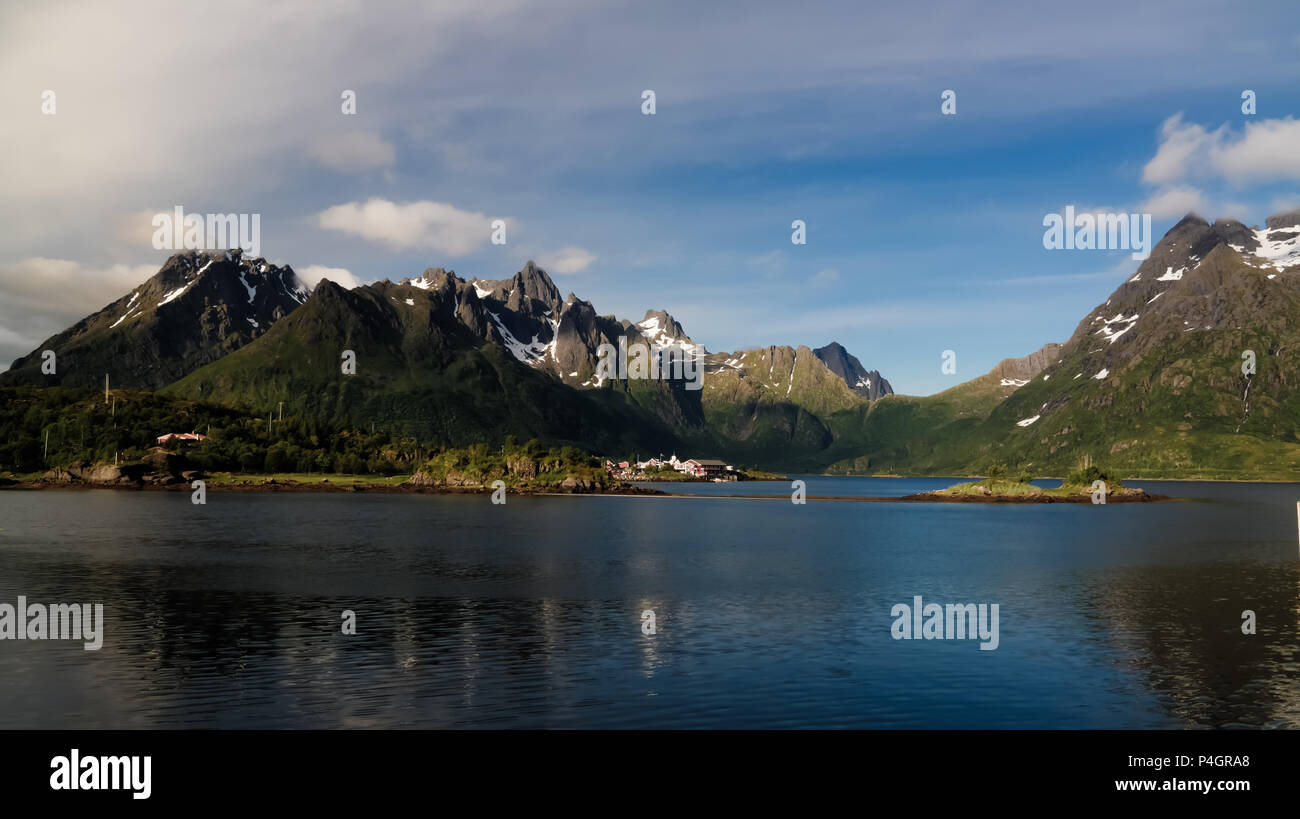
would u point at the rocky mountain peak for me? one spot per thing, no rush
(867, 383)
(1286, 219)
(200, 305)
(662, 329)
(532, 281)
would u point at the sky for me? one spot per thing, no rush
(924, 230)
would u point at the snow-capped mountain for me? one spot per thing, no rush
(1277, 245)
(1184, 281)
(446, 358)
(1155, 373)
(199, 306)
(525, 315)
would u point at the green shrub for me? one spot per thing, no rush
(1084, 476)
(995, 471)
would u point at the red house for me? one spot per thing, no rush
(180, 436)
(705, 467)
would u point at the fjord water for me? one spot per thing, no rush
(768, 614)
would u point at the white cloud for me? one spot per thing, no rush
(402, 226)
(1269, 149)
(44, 296)
(1181, 144)
(1264, 149)
(566, 260)
(825, 278)
(312, 274)
(352, 150)
(1174, 203)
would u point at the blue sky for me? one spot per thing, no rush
(924, 231)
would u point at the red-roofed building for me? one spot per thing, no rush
(704, 467)
(180, 437)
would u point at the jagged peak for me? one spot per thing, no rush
(845, 365)
(1192, 218)
(834, 347)
(327, 289)
(1285, 219)
(199, 261)
(1228, 221)
(536, 284)
(663, 321)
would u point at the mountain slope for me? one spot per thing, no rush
(459, 362)
(419, 371)
(198, 307)
(1151, 381)
(770, 406)
(1153, 378)
(928, 433)
(741, 413)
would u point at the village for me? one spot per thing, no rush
(705, 469)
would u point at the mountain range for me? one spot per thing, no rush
(1151, 380)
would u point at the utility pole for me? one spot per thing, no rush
(105, 388)
(281, 412)
(45, 456)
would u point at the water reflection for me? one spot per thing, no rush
(766, 616)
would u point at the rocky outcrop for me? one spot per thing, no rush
(867, 383)
(103, 474)
(1024, 368)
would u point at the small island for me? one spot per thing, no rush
(1001, 487)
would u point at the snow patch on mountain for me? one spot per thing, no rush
(1279, 247)
(531, 353)
(1113, 328)
(662, 339)
(124, 317)
(175, 294)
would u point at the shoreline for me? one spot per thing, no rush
(298, 487)
(924, 497)
(1127, 478)
(625, 490)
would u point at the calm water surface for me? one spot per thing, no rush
(769, 615)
